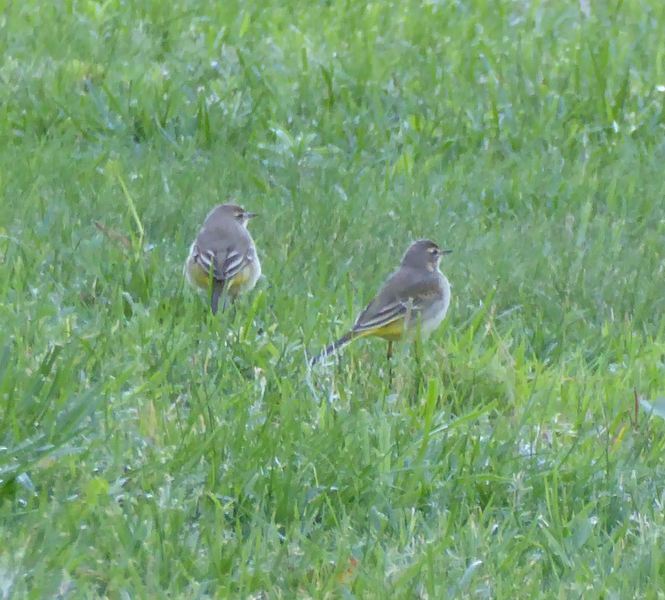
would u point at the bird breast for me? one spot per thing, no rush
(435, 313)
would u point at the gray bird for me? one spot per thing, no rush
(413, 300)
(223, 257)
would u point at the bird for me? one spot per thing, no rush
(413, 301)
(223, 257)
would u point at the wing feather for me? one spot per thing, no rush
(233, 263)
(386, 315)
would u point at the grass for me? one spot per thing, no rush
(148, 449)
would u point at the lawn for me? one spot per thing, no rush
(149, 449)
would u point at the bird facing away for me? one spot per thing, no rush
(223, 257)
(413, 301)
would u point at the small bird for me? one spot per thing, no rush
(414, 300)
(223, 257)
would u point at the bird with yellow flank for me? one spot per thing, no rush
(412, 302)
(223, 259)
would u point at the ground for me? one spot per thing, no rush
(149, 449)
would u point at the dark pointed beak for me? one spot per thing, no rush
(446, 251)
(250, 215)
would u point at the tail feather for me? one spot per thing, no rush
(343, 341)
(217, 289)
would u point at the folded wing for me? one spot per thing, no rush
(403, 295)
(225, 269)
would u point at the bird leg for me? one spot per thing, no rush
(389, 355)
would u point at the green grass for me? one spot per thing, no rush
(148, 449)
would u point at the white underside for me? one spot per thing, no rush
(433, 315)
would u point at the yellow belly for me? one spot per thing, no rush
(197, 275)
(396, 330)
(235, 286)
(391, 332)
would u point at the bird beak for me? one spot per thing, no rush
(250, 215)
(446, 251)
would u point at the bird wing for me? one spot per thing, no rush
(375, 319)
(225, 269)
(232, 265)
(405, 293)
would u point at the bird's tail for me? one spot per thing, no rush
(217, 289)
(343, 341)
